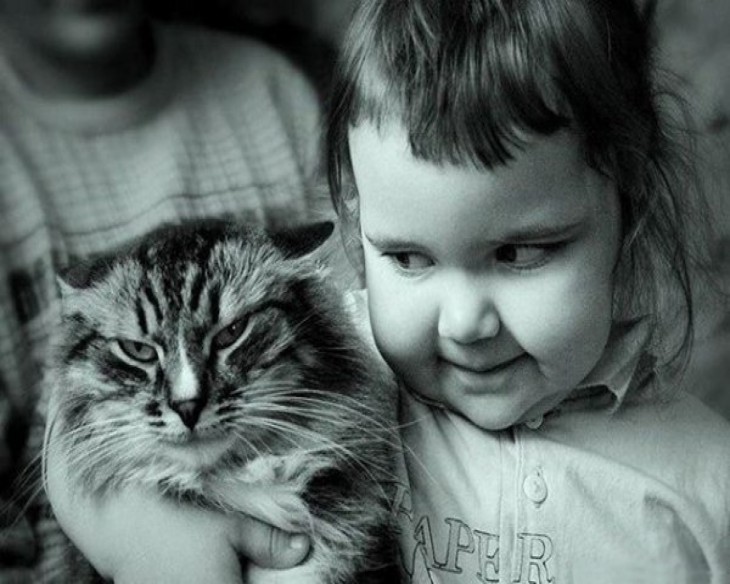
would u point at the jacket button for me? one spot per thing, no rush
(534, 487)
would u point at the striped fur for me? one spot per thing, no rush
(217, 364)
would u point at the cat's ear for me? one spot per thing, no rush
(300, 240)
(82, 275)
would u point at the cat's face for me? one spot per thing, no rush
(195, 341)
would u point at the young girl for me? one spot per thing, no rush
(525, 228)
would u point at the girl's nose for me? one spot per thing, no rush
(468, 315)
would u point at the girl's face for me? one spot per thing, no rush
(490, 291)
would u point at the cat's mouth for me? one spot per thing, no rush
(193, 437)
(196, 448)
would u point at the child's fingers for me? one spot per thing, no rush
(266, 546)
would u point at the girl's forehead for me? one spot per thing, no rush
(547, 188)
(382, 156)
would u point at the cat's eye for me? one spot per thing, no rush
(137, 350)
(229, 335)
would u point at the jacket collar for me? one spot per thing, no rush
(625, 364)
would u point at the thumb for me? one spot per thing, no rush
(267, 546)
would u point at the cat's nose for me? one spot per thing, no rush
(188, 410)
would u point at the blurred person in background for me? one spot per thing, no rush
(111, 124)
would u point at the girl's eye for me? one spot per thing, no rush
(229, 335)
(137, 350)
(525, 256)
(410, 260)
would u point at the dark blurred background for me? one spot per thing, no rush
(694, 40)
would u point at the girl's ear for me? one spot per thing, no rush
(300, 240)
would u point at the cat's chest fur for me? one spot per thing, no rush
(217, 365)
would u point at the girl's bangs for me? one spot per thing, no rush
(464, 102)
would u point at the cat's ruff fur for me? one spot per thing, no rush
(217, 364)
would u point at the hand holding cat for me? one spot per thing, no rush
(139, 537)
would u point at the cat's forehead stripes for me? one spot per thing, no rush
(180, 246)
(172, 260)
(214, 302)
(195, 289)
(148, 307)
(206, 276)
(246, 276)
(154, 302)
(139, 310)
(195, 281)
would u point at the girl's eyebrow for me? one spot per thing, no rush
(386, 242)
(527, 234)
(542, 232)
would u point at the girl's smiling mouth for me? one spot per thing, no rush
(474, 362)
(481, 376)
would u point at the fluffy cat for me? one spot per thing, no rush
(217, 363)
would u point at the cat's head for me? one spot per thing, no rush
(198, 337)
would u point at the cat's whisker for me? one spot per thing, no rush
(21, 502)
(93, 454)
(322, 411)
(316, 443)
(111, 450)
(365, 436)
(323, 404)
(93, 426)
(111, 446)
(241, 436)
(342, 414)
(368, 436)
(323, 407)
(345, 451)
(295, 390)
(25, 487)
(319, 444)
(296, 430)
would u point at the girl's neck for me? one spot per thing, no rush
(95, 75)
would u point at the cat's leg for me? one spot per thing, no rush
(269, 488)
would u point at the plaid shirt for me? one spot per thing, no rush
(223, 126)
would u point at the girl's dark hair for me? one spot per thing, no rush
(469, 79)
